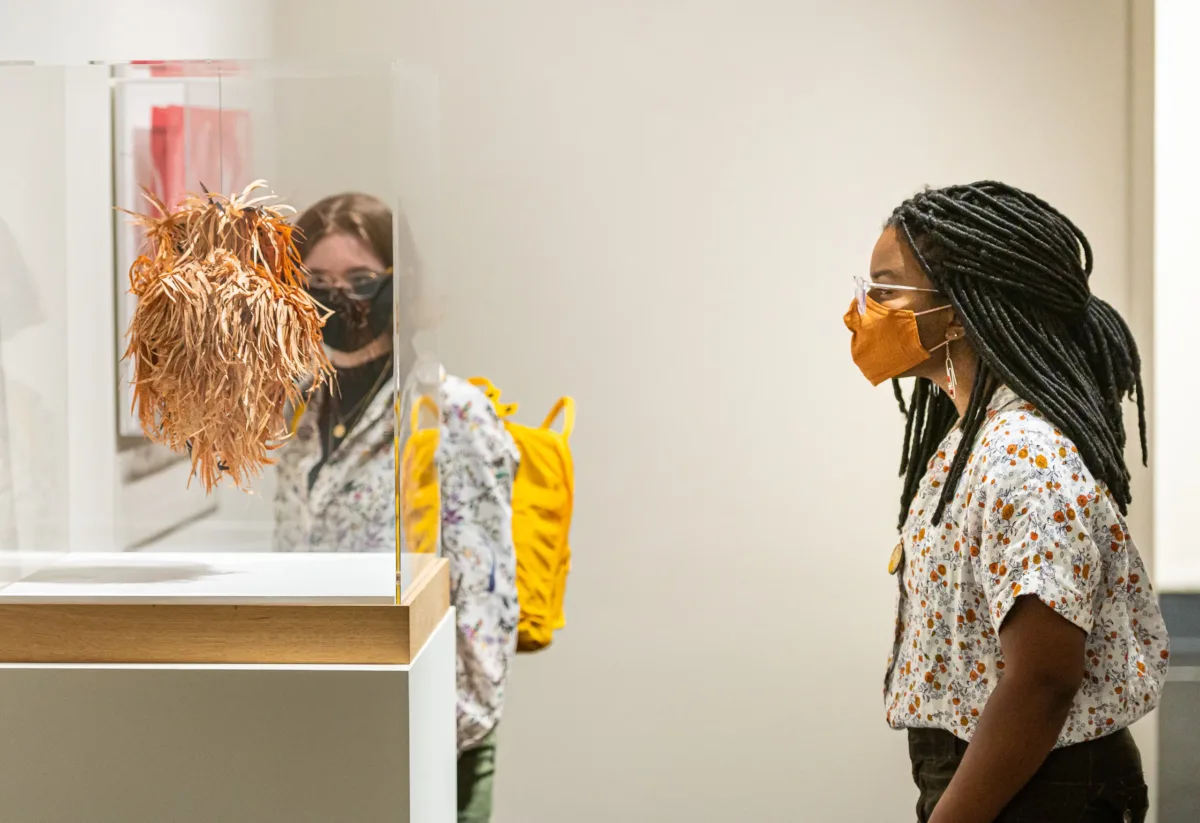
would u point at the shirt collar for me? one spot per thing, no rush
(379, 405)
(1005, 399)
(384, 400)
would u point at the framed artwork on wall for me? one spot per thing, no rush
(173, 135)
(177, 130)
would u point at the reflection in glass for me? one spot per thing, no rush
(33, 321)
(311, 130)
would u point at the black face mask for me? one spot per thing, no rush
(359, 317)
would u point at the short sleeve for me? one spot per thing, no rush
(1037, 532)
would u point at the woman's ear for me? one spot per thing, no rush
(955, 330)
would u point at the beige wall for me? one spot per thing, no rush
(76, 31)
(1141, 313)
(1177, 173)
(658, 207)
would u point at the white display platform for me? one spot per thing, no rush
(322, 609)
(234, 744)
(210, 578)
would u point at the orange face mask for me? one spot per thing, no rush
(886, 342)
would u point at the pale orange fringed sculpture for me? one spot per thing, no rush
(224, 335)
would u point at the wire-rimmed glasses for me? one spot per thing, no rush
(360, 284)
(864, 287)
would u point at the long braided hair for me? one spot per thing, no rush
(1016, 272)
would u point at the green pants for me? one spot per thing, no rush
(476, 770)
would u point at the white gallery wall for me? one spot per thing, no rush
(658, 207)
(1177, 214)
(76, 31)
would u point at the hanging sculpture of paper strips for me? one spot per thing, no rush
(224, 335)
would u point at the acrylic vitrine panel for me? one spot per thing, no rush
(357, 143)
(418, 407)
(89, 508)
(34, 430)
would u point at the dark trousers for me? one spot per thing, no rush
(1099, 781)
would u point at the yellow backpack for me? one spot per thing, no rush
(418, 499)
(543, 502)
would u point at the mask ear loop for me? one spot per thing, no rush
(951, 376)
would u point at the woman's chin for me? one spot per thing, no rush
(917, 372)
(371, 352)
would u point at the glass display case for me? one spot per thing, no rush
(345, 510)
(34, 432)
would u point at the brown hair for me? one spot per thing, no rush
(363, 216)
(371, 220)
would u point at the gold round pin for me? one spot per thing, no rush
(896, 559)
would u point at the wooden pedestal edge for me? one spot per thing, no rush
(50, 633)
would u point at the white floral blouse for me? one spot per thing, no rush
(351, 508)
(1028, 519)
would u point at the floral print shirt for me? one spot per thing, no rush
(1028, 518)
(351, 507)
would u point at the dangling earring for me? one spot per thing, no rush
(951, 377)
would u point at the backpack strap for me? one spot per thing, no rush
(566, 407)
(424, 403)
(503, 410)
(297, 413)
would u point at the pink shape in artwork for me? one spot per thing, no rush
(194, 147)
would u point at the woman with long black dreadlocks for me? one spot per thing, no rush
(1026, 624)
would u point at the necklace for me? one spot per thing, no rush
(345, 422)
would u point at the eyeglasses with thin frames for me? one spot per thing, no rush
(361, 284)
(864, 288)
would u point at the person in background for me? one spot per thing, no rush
(336, 477)
(1028, 638)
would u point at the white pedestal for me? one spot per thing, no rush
(231, 744)
(205, 578)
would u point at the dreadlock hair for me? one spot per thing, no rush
(1016, 272)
